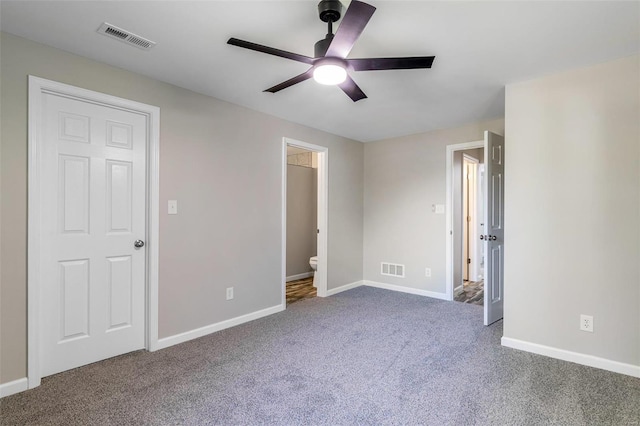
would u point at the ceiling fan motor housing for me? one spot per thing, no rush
(329, 10)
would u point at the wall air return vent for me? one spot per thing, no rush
(125, 36)
(392, 269)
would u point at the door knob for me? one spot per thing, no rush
(482, 237)
(138, 244)
(493, 237)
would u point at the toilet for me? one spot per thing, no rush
(313, 262)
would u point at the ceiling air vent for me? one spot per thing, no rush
(125, 36)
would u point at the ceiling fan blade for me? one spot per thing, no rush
(374, 64)
(270, 50)
(295, 80)
(352, 90)
(353, 22)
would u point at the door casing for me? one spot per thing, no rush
(37, 87)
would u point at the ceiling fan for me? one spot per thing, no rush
(330, 64)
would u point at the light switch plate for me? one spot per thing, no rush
(173, 207)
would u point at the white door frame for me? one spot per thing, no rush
(323, 214)
(38, 87)
(449, 209)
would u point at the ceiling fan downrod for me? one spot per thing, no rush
(330, 12)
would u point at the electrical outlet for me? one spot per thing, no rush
(229, 293)
(586, 323)
(427, 272)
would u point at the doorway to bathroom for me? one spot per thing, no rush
(486, 234)
(468, 225)
(304, 221)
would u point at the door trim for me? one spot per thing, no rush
(323, 214)
(449, 210)
(37, 87)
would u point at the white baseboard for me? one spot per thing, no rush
(15, 386)
(578, 358)
(345, 287)
(299, 276)
(165, 342)
(409, 290)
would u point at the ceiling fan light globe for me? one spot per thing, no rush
(329, 74)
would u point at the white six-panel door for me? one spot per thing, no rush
(93, 197)
(494, 228)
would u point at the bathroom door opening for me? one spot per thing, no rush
(465, 224)
(304, 220)
(490, 225)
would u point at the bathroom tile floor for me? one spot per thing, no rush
(300, 289)
(470, 292)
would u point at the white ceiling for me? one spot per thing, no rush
(479, 46)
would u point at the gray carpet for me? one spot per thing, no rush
(366, 356)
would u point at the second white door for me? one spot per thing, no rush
(494, 228)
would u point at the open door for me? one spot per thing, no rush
(494, 227)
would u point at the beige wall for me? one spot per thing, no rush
(302, 215)
(220, 161)
(403, 178)
(572, 210)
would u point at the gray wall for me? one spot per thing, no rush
(403, 178)
(572, 207)
(302, 218)
(222, 162)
